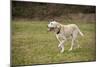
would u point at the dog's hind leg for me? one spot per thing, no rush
(74, 36)
(72, 45)
(77, 45)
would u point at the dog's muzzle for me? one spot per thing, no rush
(50, 28)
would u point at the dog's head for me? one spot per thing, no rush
(53, 25)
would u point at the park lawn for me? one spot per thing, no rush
(33, 44)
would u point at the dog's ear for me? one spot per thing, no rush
(50, 20)
(58, 26)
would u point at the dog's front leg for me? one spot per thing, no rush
(58, 39)
(62, 45)
(61, 40)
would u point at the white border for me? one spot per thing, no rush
(5, 35)
(85, 64)
(80, 2)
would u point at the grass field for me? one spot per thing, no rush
(33, 44)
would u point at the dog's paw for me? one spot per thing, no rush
(70, 49)
(61, 51)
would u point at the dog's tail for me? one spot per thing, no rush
(80, 32)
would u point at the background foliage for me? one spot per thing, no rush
(45, 11)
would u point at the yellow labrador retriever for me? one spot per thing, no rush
(63, 32)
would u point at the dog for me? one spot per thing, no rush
(63, 32)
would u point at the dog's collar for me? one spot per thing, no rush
(58, 32)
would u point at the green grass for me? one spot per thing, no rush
(33, 44)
